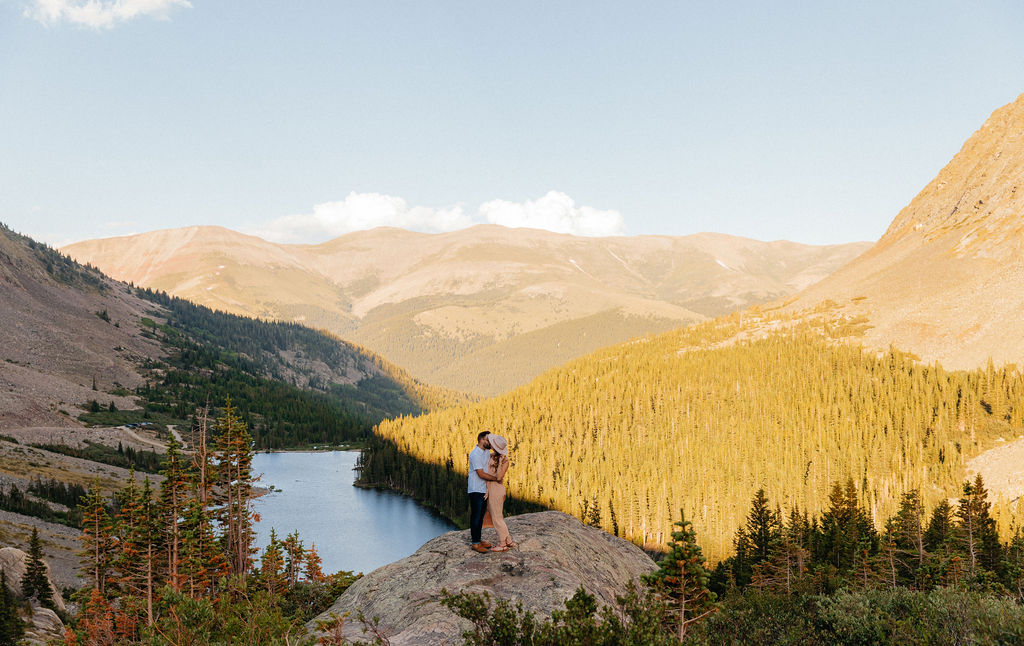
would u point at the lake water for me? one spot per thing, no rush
(354, 529)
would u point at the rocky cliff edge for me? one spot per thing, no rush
(555, 555)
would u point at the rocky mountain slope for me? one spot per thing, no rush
(556, 555)
(55, 344)
(75, 344)
(479, 310)
(946, 281)
(72, 335)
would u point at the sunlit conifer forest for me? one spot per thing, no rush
(701, 418)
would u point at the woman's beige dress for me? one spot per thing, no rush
(496, 501)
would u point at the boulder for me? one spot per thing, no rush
(45, 627)
(12, 561)
(555, 555)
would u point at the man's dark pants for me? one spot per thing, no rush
(476, 515)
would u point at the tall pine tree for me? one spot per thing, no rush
(976, 530)
(233, 456)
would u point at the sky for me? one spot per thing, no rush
(301, 121)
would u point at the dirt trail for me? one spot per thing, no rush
(147, 440)
(173, 428)
(1002, 468)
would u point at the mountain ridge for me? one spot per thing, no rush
(73, 335)
(434, 302)
(944, 281)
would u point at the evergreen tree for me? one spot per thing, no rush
(1013, 566)
(203, 563)
(788, 559)
(147, 544)
(976, 529)
(97, 622)
(592, 513)
(904, 542)
(741, 568)
(272, 566)
(35, 584)
(613, 518)
(12, 628)
(940, 527)
(173, 494)
(763, 529)
(295, 556)
(683, 579)
(845, 530)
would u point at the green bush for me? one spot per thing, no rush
(638, 621)
(854, 617)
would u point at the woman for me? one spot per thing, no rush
(496, 491)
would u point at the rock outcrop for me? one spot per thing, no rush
(13, 561)
(44, 627)
(556, 554)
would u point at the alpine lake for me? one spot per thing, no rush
(354, 529)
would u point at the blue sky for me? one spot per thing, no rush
(300, 121)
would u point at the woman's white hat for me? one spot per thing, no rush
(498, 443)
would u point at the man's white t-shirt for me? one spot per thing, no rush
(478, 459)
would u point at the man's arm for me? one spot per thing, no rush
(486, 476)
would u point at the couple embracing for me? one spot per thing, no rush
(487, 491)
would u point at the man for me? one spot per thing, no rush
(478, 459)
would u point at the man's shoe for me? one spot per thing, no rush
(485, 544)
(479, 547)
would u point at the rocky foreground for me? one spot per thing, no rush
(556, 554)
(45, 626)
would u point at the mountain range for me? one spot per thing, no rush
(479, 310)
(837, 385)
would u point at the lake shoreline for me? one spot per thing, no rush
(357, 446)
(355, 529)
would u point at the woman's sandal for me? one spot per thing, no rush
(499, 548)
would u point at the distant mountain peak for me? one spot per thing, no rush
(978, 195)
(946, 281)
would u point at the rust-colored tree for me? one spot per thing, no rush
(233, 460)
(96, 538)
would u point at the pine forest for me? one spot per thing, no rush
(701, 418)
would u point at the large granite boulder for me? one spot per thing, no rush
(556, 554)
(14, 562)
(44, 628)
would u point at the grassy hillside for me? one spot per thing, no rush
(478, 363)
(697, 420)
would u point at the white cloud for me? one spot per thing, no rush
(554, 212)
(360, 211)
(99, 14)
